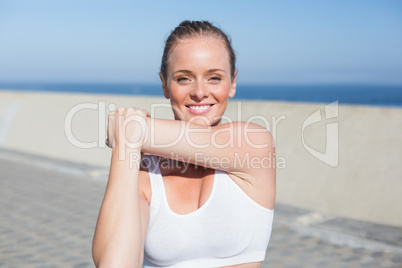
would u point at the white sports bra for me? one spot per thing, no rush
(230, 228)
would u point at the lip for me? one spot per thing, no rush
(199, 108)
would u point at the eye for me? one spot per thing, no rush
(215, 79)
(182, 79)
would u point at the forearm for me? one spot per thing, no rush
(170, 138)
(216, 147)
(117, 240)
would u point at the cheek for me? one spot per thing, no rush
(222, 94)
(176, 98)
(175, 95)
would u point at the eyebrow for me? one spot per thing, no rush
(215, 70)
(182, 71)
(189, 72)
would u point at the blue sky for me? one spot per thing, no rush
(277, 42)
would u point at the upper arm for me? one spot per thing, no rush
(238, 147)
(246, 151)
(241, 147)
(144, 210)
(144, 187)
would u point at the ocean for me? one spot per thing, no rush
(374, 95)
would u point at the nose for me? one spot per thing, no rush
(200, 91)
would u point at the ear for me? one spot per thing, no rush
(232, 90)
(164, 86)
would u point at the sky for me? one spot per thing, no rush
(277, 42)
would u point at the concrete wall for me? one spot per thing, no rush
(365, 184)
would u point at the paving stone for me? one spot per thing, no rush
(47, 219)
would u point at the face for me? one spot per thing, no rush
(198, 82)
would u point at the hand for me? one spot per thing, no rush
(127, 127)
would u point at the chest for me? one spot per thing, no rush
(220, 228)
(185, 195)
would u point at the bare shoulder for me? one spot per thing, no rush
(256, 136)
(247, 137)
(255, 154)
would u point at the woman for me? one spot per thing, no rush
(201, 195)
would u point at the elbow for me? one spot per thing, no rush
(115, 261)
(117, 264)
(110, 255)
(95, 258)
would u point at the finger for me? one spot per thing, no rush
(111, 129)
(144, 112)
(147, 113)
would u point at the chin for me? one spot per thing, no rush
(206, 121)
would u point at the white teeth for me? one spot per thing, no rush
(203, 107)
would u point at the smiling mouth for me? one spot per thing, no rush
(199, 109)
